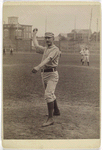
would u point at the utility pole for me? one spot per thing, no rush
(90, 25)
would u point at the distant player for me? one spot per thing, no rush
(11, 50)
(4, 50)
(86, 56)
(82, 52)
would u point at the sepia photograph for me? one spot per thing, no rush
(51, 71)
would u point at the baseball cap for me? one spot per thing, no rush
(49, 34)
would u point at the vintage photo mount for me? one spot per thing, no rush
(50, 144)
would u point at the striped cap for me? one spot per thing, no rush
(49, 34)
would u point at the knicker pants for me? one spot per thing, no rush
(50, 80)
(86, 58)
(82, 57)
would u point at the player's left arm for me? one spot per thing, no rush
(36, 69)
(51, 57)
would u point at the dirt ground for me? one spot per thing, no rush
(78, 97)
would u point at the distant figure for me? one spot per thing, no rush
(11, 51)
(82, 52)
(86, 56)
(4, 51)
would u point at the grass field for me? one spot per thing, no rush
(78, 96)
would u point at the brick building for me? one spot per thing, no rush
(16, 35)
(95, 36)
(79, 35)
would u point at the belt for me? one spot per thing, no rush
(49, 70)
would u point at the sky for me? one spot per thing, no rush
(55, 18)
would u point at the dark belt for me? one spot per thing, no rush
(49, 70)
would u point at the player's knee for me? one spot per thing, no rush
(49, 97)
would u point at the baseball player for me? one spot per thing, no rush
(11, 50)
(4, 50)
(49, 73)
(82, 54)
(86, 56)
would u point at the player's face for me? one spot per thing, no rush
(49, 40)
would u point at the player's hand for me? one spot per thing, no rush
(35, 69)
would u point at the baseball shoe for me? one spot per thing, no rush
(82, 63)
(48, 123)
(88, 63)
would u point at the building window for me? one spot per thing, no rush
(6, 33)
(29, 28)
(18, 33)
(29, 35)
(24, 35)
(26, 28)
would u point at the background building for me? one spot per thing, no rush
(16, 35)
(79, 34)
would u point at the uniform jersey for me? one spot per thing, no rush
(52, 52)
(82, 52)
(87, 52)
(86, 56)
(50, 79)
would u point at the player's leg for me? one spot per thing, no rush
(88, 63)
(50, 97)
(88, 60)
(44, 82)
(56, 109)
(50, 110)
(83, 60)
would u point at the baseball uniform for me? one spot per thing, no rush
(48, 71)
(86, 56)
(82, 54)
